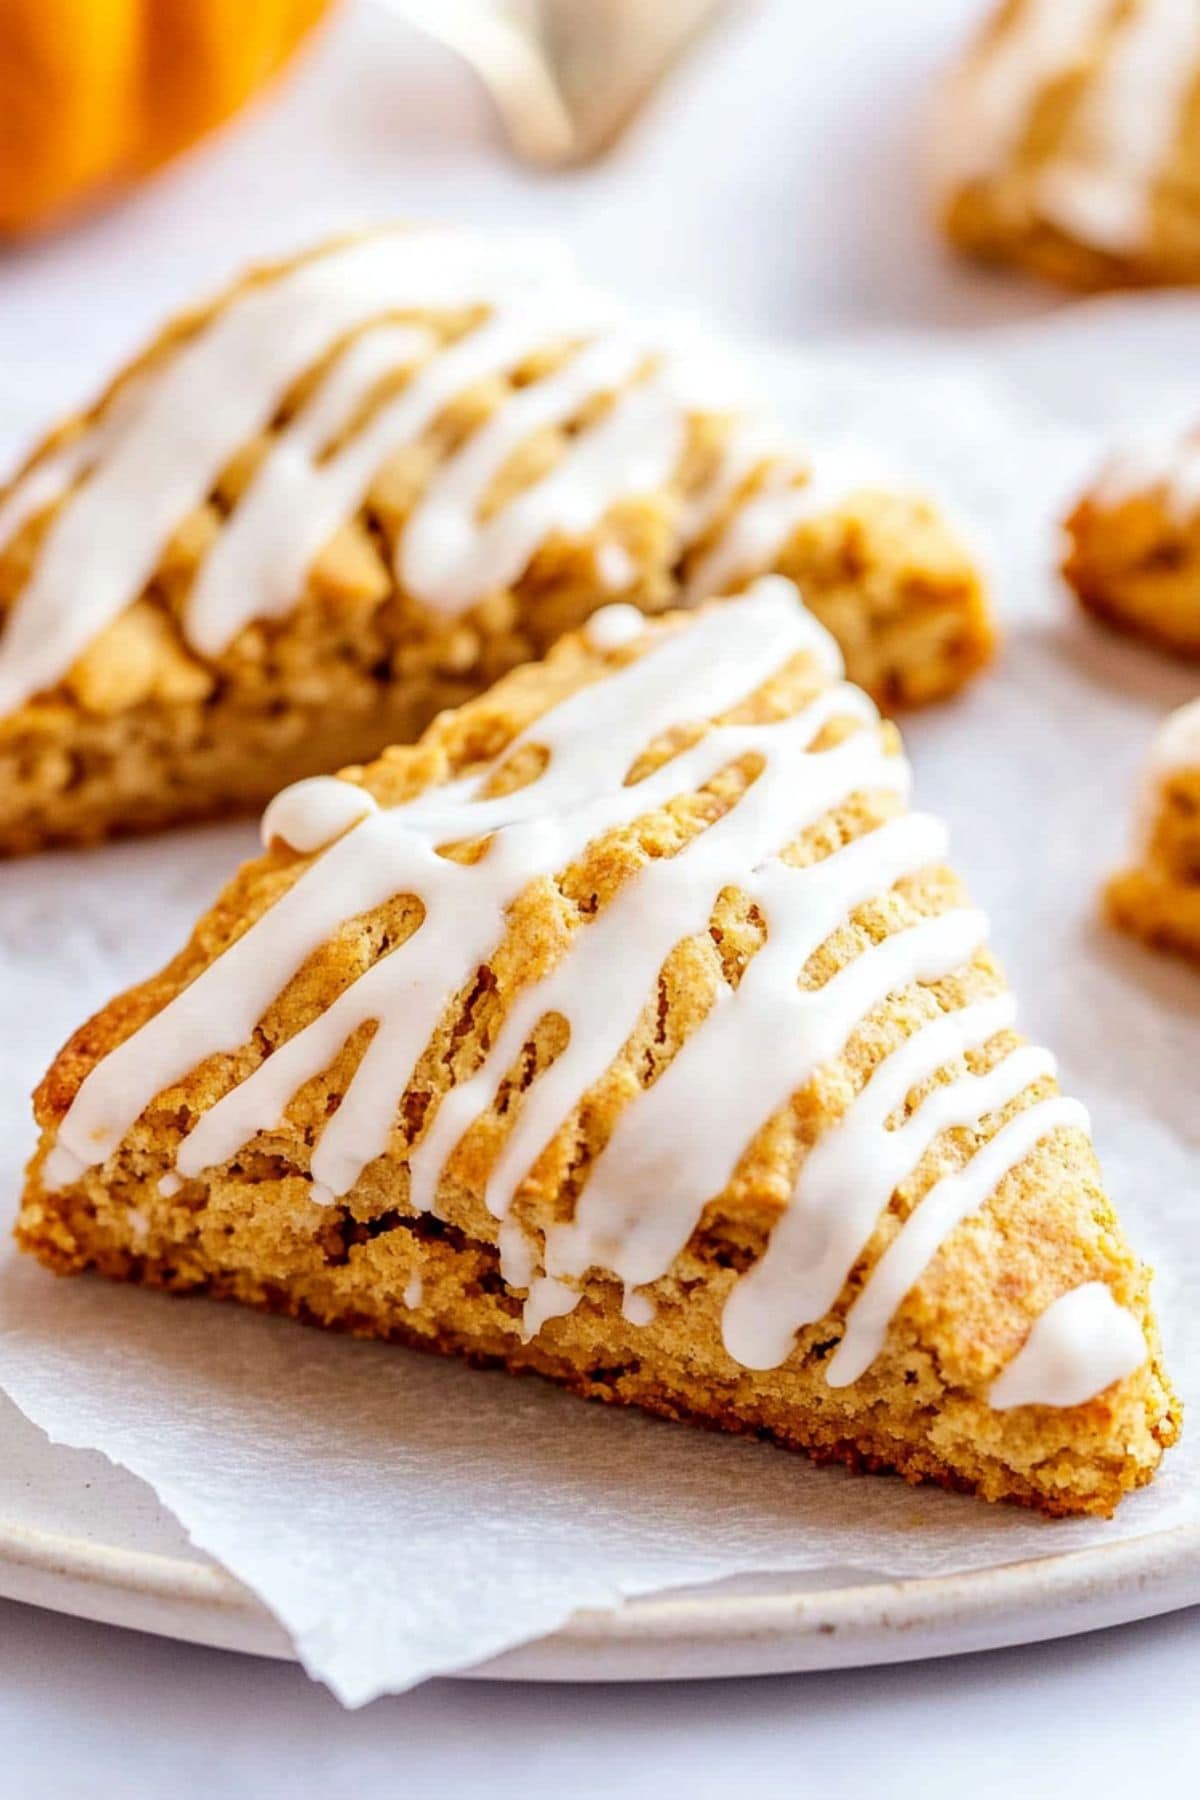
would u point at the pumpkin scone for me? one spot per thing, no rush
(1068, 141)
(360, 486)
(1133, 544)
(1158, 900)
(631, 1029)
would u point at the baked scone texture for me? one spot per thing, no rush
(360, 486)
(1158, 899)
(1068, 141)
(1133, 544)
(631, 1029)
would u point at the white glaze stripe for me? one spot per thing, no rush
(946, 1205)
(447, 557)
(684, 1138)
(851, 1172)
(1177, 741)
(760, 528)
(989, 105)
(1100, 185)
(1155, 463)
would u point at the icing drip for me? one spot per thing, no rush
(448, 558)
(619, 401)
(1080, 1345)
(614, 626)
(849, 1175)
(1120, 138)
(678, 1142)
(311, 814)
(638, 1309)
(1177, 744)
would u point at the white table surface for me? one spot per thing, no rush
(772, 185)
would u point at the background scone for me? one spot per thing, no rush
(631, 1029)
(1159, 899)
(1068, 141)
(1133, 544)
(363, 484)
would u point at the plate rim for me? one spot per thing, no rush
(673, 1634)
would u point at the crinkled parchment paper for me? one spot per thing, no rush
(403, 1517)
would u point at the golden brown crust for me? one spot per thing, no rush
(250, 1229)
(145, 730)
(1133, 560)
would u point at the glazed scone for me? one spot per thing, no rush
(631, 1029)
(1158, 899)
(1068, 141)
(1133, 544)
(360, 486)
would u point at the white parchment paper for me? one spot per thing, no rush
(402, 1517)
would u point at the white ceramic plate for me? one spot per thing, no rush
(81, 1537)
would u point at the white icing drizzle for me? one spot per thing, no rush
(311, 814)
(614, 626)
(1177, 743)
(1081, 1344)
(989, 104)
(1176, 747)
(849, 1175)
(677, 1143)
(946, 1205)
(759, 529)
(1101, 184)
(1100, 181)
(756, 531)
(638, 1309)
(414, 1292)
(207, 400)
(167, 436)
(63, 1168)
(1154, 465)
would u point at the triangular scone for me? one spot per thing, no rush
(631, 1029)
(1158, 899)
(1133, 544)
(360, 486)
(1066, 141)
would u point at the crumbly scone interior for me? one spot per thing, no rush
(350, 641)
(450, 1273)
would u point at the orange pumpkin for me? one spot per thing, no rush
(95, 92)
